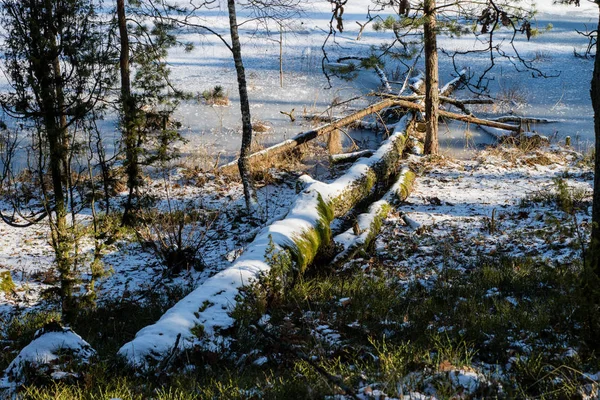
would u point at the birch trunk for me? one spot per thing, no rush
(243, 164)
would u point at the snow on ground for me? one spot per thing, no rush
(27, 254)
(503, 202)
(208, 307)
(482, 198)
(498, 202)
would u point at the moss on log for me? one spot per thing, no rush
(357, 239)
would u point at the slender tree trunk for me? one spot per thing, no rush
(129, 135)
(280, 56)
(52, 104)
(58, 140)
(243, 164)
(61, 242)
(431, 79)
(594, 250)
(60, 98)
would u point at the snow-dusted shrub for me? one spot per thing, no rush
(175, 237)
(216, 96)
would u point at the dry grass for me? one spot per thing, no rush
(199, 159)
(528, 154)
(216, 96)
(261, 126)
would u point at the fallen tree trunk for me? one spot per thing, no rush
(392, 101)
(376, 126)
(462, 104)
(310, 135)
(383, 78)
(504, 136)
(524, 120)
(460, 117)
(358, 238)
(459, 103)
(200, 317)
(348, 157)
(323, 118)
(454, 84)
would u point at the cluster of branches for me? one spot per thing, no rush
(59, 59)
(415, 27)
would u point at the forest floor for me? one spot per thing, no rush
(473, 289)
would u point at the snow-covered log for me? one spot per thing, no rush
(369, 224)
(304, 137)
(348, 157)
(199, 318)
(415, 146)
(376, 126)
(451, 86)
(383, 78)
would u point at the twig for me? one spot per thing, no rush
(298, 354)
(168, 359)
(289, 114)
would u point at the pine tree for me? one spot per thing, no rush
(56, 62)
(452, 18)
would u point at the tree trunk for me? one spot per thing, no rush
(368, 224)
(431, 78)
(243, 164)
(129, 135)
(594, 250)
(52, 96)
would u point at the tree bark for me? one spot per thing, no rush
(431, 78)
(243, 164)
(51, 91)
(129, 135)
(594, 247)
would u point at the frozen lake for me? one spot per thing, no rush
(213, 130)
(563, 97)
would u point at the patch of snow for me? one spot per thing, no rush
(45, 349)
